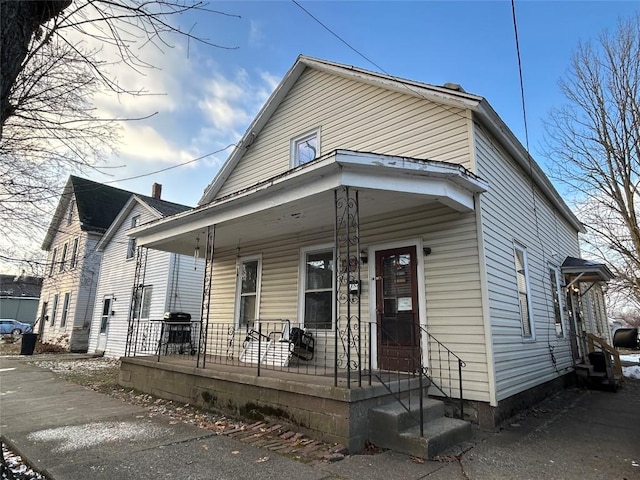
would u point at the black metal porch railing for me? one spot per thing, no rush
(276, 345)
(279, 345)
(438, 373)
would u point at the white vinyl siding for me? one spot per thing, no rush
(354, 116)
(451, 278)
(79, 280)
(508, 212)
(177, 286)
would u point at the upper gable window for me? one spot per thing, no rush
(131, 245)
(305, 148)
(70, 214)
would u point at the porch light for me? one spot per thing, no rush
(364, 258)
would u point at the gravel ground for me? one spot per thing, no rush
(13, 468)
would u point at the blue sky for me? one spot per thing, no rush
(211, 95)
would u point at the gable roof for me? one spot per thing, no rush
(97, 205)
(451, 95)
(158, 208)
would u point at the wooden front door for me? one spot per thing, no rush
(397, 310)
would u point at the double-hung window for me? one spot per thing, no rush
(54, 309)
(557, 297)
(65, 309)
(74, 254)
(63, 259)
(248, 290)
(524, 294)
(305, 148)
(317, 295)
(131, 246)
(53, 261)
(142, 302)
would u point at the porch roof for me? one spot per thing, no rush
(302, 199)
(580, 270)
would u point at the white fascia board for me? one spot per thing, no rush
(497, 126)
(451, 184)
(237, 208)
(452, 195)
(454, 173)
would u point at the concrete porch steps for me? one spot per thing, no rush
(392, 426)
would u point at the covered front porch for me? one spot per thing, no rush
(317, 278)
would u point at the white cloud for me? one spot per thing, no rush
(256, 37)
(146, 144)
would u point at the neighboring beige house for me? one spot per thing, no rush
(397, 212)
(172, 282)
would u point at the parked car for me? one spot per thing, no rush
(13, 327)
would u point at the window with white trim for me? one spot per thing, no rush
(317, 302)
(74, 254)
(65, 309)
(64, 256)
(53, 261)
(305, 148)
(524, 294)
(142, 302)
(248, 290)
(131, 246)
(557, 297)
(54, 309)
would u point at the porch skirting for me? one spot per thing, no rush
(310, 404)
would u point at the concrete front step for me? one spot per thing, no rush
(392, 426)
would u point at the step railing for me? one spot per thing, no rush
(593, 341)
(443, 380)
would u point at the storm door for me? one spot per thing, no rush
(397, 310)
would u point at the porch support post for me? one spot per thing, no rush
(206, 295)
(133, 321)
(348, 284)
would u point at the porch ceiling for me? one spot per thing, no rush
(303, 200)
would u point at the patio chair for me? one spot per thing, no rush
(277, 348)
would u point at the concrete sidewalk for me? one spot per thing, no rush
(70, 432)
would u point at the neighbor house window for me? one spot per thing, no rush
(64, 256)
(54, 309)
(53, 261)
(248, 290)
(524, 295)
(70, 216)
(305, 148)
(142, 302)
(556, 296)
(317, 279)
(74, 254)
(131, 247)
(65, 309)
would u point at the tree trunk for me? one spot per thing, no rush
(18, 22)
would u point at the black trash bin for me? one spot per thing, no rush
(28, 343)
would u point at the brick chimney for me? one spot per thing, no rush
(156, 191)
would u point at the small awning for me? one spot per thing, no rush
(578, 270)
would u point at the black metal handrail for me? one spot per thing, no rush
(440, 384)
